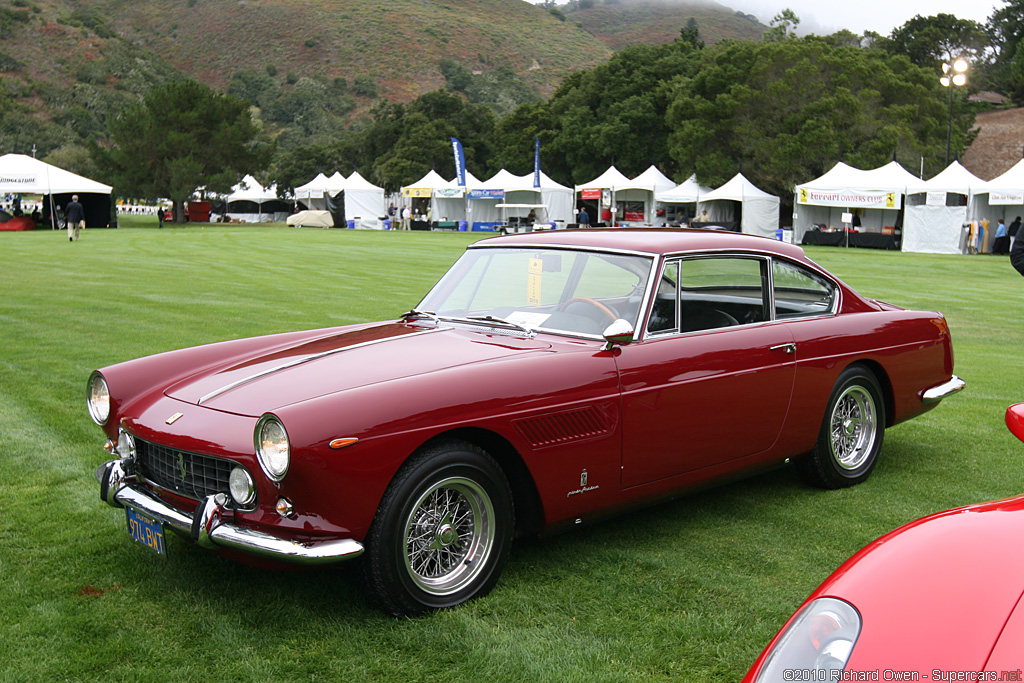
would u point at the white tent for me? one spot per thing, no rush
(936, 211)
(315, 193)
(687, 192)
(22, 174)
(1001, 197)
(249, 201)
(759, 211)
(364, 202)
(633, 200)
(487, 199)
(878, 193)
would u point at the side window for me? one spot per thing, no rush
(800, 292)
(665, 312)
(721, 291)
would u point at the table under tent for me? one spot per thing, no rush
(874, 196)
(680, 202)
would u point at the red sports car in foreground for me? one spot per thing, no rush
(547, 380)
(939, 599)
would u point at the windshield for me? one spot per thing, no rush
(551, 290)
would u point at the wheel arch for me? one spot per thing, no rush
(529, 516)
(884, 383)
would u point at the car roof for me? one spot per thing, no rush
(650, 240)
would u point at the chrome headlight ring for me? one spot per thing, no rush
(272, 447)
(97, 397)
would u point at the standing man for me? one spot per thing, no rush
(406, 218)
(583, 218)
(160, 216)
(74, 214)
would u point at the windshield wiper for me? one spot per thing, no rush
(501, 321)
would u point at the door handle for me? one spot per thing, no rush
(788, 348)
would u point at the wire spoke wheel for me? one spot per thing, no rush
(449, 535)
(851, 432)
(853, 427)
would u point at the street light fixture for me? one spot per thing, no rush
(958, 78)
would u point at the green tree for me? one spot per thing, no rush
(1006, 33)
(782, 26)
(179, 138)
(785, 112)
(930, 41)
(690, 33)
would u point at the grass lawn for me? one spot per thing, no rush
(690, 590)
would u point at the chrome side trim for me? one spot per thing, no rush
(209, 530)
(300, 361)
(948, 388)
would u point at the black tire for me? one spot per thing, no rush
(442, 533)
(851, 432)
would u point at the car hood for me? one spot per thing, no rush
(280, 375)
(940, 592)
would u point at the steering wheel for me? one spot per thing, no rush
(609, 313)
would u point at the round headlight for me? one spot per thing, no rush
(272, 447)
(818, 640)
(98, 399)
(242, 488)
(125, 445)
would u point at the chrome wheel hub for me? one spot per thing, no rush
(853, 429)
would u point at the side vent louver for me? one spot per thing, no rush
(563, 427)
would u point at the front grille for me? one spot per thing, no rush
(187, 474)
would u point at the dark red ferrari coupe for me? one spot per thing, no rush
(547, 380)
(939, 599)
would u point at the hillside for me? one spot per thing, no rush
(998, 145)
(627, 22)
(396, 44)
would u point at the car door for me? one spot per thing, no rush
(712, 378)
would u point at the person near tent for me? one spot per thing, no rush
(606, 216)
(74, 216)
(1017, 254)
(583, 218)
(1014, 227)
(1001, 244)
(160, 216)
(406, 217)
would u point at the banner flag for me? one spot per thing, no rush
(536, 163)
(460, 162)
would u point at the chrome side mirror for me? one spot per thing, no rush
(619, 333)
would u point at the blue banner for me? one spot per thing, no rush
(460, 162)
(536, 163)
(486, 194)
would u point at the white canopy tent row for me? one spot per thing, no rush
(632, 201)
(1001, 197)
(353, 202)
(740, 201)
(936, 211)
(24, 175)
(487, 205)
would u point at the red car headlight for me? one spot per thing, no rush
(272, 447)
(820, 638)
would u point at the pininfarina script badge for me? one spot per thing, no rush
(583, 486)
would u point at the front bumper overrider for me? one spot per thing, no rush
(208, 528)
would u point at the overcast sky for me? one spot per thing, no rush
(880, 16)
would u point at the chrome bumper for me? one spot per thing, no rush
(937, 393)
(208, 528)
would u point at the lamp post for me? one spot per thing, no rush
(952, 74)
